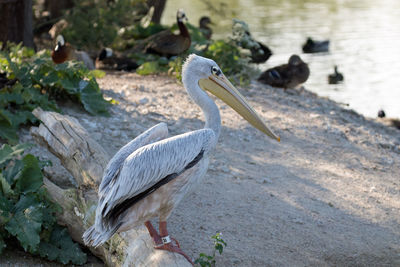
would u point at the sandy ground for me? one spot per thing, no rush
(327, 195)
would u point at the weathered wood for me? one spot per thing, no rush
(85, 159)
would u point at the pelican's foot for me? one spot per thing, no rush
(175, 248)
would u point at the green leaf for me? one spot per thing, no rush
(50, 78)
(150, 67)
(31, 178)
(11, 172)
(5, 186)
(97, 73)
(60, 247)
(93, 100)
(5, 210)
(7, 131)
(7, 152)
(26, 223)
(2, 244)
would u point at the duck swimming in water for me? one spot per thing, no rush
(336, 77)
(168, 44)
(312, 46)
(288, 75)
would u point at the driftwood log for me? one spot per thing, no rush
(86, 160)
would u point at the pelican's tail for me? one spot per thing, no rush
(94, 238)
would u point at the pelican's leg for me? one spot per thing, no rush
(154, 234)
(167, 244)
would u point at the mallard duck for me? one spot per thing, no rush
(64, 51)
(166, 43)
(388, 121)
(287, 75)
(108, 60)
(336, 77)
(312, 46)
(205, 29)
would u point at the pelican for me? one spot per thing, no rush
(150, 175)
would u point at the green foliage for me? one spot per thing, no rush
(205, 260)
(95, 23)
(27, 214)
(35, 81)
(230, 59)
(150, 67)
(229, 56)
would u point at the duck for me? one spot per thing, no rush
(108, 60)
(288, 75)
(312, 46)
(168, 44)
(336, 77)
(258, 57)
(63, 52)
(388, 121)
(204, 28)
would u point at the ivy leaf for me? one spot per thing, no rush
(26, 223)
(61, 247)
(5, 186)
(31, 178)
(97, 73)
(49, 251)
(92, 99)
(7, 131)
(50, 78)
(147, 68)
(5, 153)
(5, 210)
(11, 173)
(2, 244)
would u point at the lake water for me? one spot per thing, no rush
(364, 35)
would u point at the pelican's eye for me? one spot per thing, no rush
(216, 71)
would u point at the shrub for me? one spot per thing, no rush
(26, 212)
(32, 80)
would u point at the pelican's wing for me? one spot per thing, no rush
(148, 168)
(154, 134)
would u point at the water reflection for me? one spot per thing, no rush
(364, 34)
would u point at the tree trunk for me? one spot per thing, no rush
(159, 6)
(85, 159)
(16, 22)
(56, 7)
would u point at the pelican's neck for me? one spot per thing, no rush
(207, 105)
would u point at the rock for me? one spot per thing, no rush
(143, 101)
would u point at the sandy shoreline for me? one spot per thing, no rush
(327, 195)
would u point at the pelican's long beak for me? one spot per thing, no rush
(224, 90)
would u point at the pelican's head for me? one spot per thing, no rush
(210, 78)
(181, 16)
